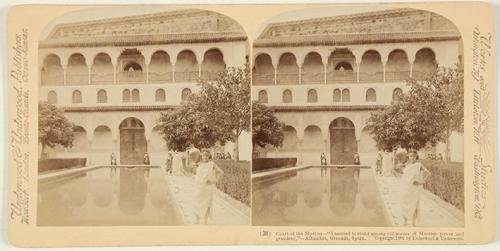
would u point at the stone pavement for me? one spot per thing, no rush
(227, 211)
(435, 212)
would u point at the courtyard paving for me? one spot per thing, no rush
(435, 212)
(227, 211)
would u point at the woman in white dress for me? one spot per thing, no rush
(412, 181)
(207, 174)
(177, 165)
(387, 163)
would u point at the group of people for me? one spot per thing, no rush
(206, 172)
(355, 160)
(226, 156)
(405, 165)
(391, 163)
(113, 161)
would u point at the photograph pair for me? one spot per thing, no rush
(337, 116)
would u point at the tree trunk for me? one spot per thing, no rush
(236, 150)
(42, 154)
(447, 154)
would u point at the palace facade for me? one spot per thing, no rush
(324, 76)
(114, 76)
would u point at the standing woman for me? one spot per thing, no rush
(412, 181)
(207, 175)
(387, 164)
(177, 163)
(378, 163)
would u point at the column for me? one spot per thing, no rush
(116, 150)
(274, 62)
(327, 153)
(64, 74)
(147, 60)
(383, 68)
(199, 70)
(89, 153)
(173, 73)
(114, 74)
(114, 62)
(384, 58)
(299, 161)
(324, 60)
(358, 56)
(275, 75)
(357, 72)
(300, 74)
(411, 59)
(89, 76)
(325, 70)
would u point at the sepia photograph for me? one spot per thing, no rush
(358, 119)
(144, 118)
(250, 124)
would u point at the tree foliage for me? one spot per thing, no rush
(427, 114)
(53, 127)
(266, 129)
(226, 102)
(185, 126)
(219, 112)
(448, 86)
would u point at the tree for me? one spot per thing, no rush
(266, 129)
(225, 104)
(448, 87)
(185, 126)
(409, 123)
(219, 112)
(427, 114)
(53, 127)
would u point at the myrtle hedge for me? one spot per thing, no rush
(56, 164)
(236, 179)
(446, 181)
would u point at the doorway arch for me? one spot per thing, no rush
(343, 143)
(133, 144)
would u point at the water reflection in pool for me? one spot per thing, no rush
(320, 197)
(108, 196)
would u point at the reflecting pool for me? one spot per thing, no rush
(107, 196)
(320, 197)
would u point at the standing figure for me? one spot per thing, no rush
(113, 159)
(228, 155)
(356, 159)
(207, 175)
(387, 163)
(323, 164)
(401, 157)
(194, 158)
(323, 159)
(378, 163)
(146, 159)
(177, 165)
(169, 163)
(439, 157)
(412, 181)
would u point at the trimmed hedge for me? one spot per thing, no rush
(446, 181)
(236, 179)
(261, 164)
(56, 164)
